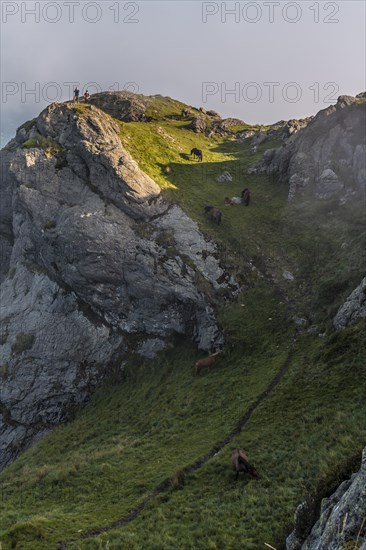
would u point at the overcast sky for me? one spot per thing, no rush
(260, 61)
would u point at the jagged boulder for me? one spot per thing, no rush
(341, 518)
(281, 130)
(225, 177)
(123, 105)
(259, 138)
(353, 309)
(242, 136)
(226, 126)
(305, 516)
(94, 265)
(326, 154)
(199, 124)
(294, 125)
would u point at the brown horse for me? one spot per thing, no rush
(206, 362)
(245, 196)
(240, 463)
(214, 214)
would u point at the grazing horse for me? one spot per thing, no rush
(245, 195)
(206, 362)
(197, 153)
(214, 213)
(240, 463)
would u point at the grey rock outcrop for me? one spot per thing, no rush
(341, 518)
(226, 126)
(259, 138)
(353, 309)
(280, 130)
(52, 355)
(199, 124)
(94, 264)
(305, 516)
(288, 276)
(211, 124)
(123, 105)
(225, 177)
(242, 136)
(327, 155)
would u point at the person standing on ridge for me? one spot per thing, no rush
(76, 95)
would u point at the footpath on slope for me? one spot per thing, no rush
(165, 485)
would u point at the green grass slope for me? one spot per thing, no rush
(156, 419)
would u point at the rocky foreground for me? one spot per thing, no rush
(342, 518)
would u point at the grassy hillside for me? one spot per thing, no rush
(156, 421)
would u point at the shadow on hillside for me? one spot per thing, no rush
(196, 186)
(231, 147)
(201, 177)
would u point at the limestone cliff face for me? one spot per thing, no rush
(94, 265)
(341, 522)
(328, 156)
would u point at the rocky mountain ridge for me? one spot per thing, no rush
(327, 156)
(93, 259)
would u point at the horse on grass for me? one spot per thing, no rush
(197, 153)
(240, 463)
(206, 362)
(245, 196)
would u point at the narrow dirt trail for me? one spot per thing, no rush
(165, 485)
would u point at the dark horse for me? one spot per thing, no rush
(245, 197)
(197, 153)
(214, 214)
(240, 463)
